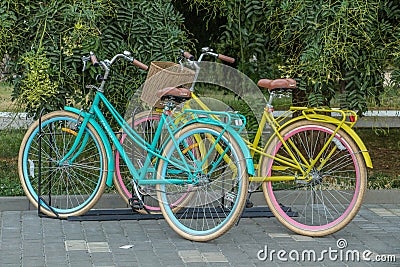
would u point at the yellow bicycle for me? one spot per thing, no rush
(313, 165)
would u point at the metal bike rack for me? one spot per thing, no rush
(129, 214)
(39, 193)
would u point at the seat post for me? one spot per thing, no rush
(271, 97)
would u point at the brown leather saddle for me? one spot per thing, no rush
(174, 94)
(277, 84)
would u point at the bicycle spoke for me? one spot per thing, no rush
(329, 195)
(211, 205)
(70, 187)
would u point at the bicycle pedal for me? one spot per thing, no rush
(136, 204)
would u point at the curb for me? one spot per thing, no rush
(114, 201)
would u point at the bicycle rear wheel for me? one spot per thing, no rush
(217, 191)
(332, 196)
(75, 186)
(145, 124)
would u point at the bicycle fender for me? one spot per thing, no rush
(345, 127)
(104, 138)
(236, 136)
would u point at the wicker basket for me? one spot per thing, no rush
(162, 75)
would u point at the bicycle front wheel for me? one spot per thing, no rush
(66, 189)
(217, 180)
(332, 193)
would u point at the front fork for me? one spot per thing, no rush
(77, 146)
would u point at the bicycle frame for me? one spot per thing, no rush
(347, 121)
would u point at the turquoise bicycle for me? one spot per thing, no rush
(198, 174)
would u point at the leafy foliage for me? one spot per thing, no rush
(334, 49)
(36, 87)
(58, 33)
(330, 47)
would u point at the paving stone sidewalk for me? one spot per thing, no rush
(28, 240)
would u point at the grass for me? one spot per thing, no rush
(10, 140)
(384, 148)
(5, 96)
(5, 99)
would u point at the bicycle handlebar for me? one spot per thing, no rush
(106, 63)
(226, 58)
(93, 58)
(208, 51)
(187, 55)
(139, 64)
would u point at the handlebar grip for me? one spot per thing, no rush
(188, 55)
(226, 58)
(94, 60)
(140, 64)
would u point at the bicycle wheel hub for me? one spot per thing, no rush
(202, 179)
(316, 177)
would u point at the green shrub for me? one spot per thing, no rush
(50, 38)
(332, 48)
